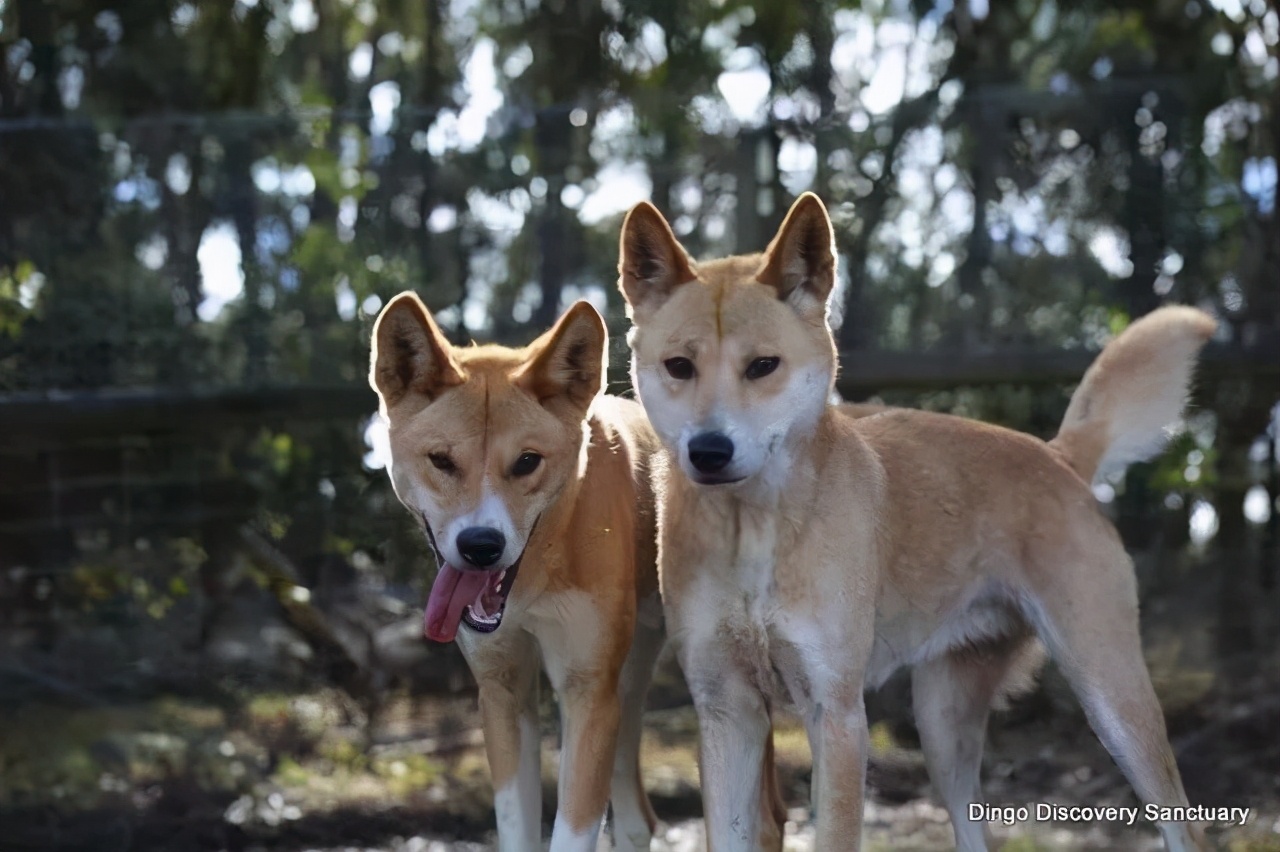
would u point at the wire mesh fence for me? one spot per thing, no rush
(209, 595)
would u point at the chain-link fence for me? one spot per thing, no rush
(210, 600)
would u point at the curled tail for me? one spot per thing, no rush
(1133, 391)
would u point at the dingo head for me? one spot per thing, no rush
(733, 359)
(483, 441)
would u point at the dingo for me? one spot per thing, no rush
(535, 494)
(806, 550)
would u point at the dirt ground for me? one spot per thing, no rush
(290, 773)
(236, 767)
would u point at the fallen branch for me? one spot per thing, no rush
(285, 583)
(430, 745)
(55, 685)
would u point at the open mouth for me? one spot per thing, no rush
(484, 614)
(474, 597)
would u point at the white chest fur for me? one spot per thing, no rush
(730, 613)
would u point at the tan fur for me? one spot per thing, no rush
(1136, 388)
(862, 409)
(848, 541)
(585, 520)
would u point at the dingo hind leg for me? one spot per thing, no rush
(1085, 608)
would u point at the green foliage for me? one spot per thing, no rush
(1187, 465)
(17, 297)
(86, 755)
(1124, 31)
(90, 755)
(133, 581)
(1117, 321)
(1045, 175)
(276, 95)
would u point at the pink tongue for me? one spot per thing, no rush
(450, 594)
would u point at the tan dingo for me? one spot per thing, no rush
(806, 551)
(535, 494)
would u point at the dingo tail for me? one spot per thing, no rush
(1135, 389)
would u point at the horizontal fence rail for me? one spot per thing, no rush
(138, 461)
(54, 416)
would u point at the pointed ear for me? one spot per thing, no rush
(651, 263)
(410, 355)
(568, 362)
(800, 263)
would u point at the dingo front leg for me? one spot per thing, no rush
(734, 730)
(838, 739)
(509, 714)
(591, 713)
(833, 663)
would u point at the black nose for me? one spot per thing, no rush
(710, 452)
(481, 546)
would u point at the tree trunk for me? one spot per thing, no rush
(243, 202)
(552, 135)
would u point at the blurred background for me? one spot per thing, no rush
(209, 598)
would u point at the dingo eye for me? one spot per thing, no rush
(443, 462)
(761, 367)
(526, 464)
(679, 368)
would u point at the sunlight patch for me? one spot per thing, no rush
(1204, 522)
(377, 439)
(221, 275)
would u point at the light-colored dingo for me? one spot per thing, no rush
(805, 550)
(535, 493)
